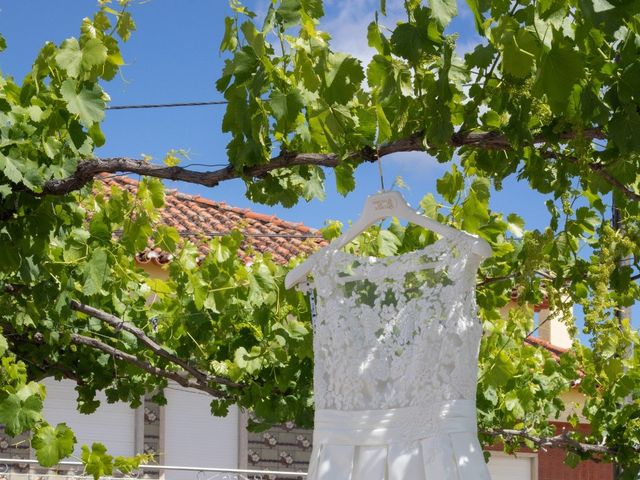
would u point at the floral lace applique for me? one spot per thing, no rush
(396, 331)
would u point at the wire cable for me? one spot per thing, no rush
(166, 105)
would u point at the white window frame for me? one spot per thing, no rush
(533, 456)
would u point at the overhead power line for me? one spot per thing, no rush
(166, 105)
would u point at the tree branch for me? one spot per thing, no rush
(120, 324)
(562, 440)
(179, 378)
(597, 169)
(610, 179)
(489, 280)
(88, 169)
(12, 289)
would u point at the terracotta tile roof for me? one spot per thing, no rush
(555, 354)
(553, 349)
(195, 217)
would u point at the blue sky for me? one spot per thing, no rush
(173, 57)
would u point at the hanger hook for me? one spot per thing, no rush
(380, 169)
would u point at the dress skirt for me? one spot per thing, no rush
(431, 442)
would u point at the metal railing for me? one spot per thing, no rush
(202, 473)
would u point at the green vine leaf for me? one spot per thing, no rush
(97, 462)
(10, 168)
(88, 104)
(69, 57)
(95, 272)
(286, 107)
(444, 10)
(20, 411)
(53, 444)
(560, 69)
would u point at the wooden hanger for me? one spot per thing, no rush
(377, 207)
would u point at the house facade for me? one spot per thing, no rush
(184, 433)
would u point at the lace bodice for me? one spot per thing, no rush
(396, 331)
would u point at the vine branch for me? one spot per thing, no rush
(562, 440)
(597, 169)
(179, 378)
(120, 324)
(89, 169)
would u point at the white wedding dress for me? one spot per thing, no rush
(396, 351)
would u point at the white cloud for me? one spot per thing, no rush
(466, 46)
(348, 28)
(413, 166)
(347, 22)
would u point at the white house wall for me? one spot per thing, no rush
(193, 436)
(113, 424)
